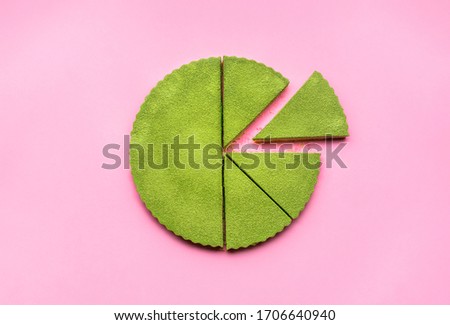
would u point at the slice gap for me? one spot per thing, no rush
(313, 113)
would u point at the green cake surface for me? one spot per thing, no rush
(314, 112)
(288, 178)
(185, 103)
(251, 216)
(229, 201)
(248, 88)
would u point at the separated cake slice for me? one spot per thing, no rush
(314, 112)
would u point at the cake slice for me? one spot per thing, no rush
(185, 105)
(248, 88)
(314, 112)
(288, 178)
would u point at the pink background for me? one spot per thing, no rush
(72, 77)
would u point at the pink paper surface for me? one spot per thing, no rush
(73, 75)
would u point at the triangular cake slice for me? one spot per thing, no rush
(248, 88)
(251, 216)
(288, 178)
(314, 112)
